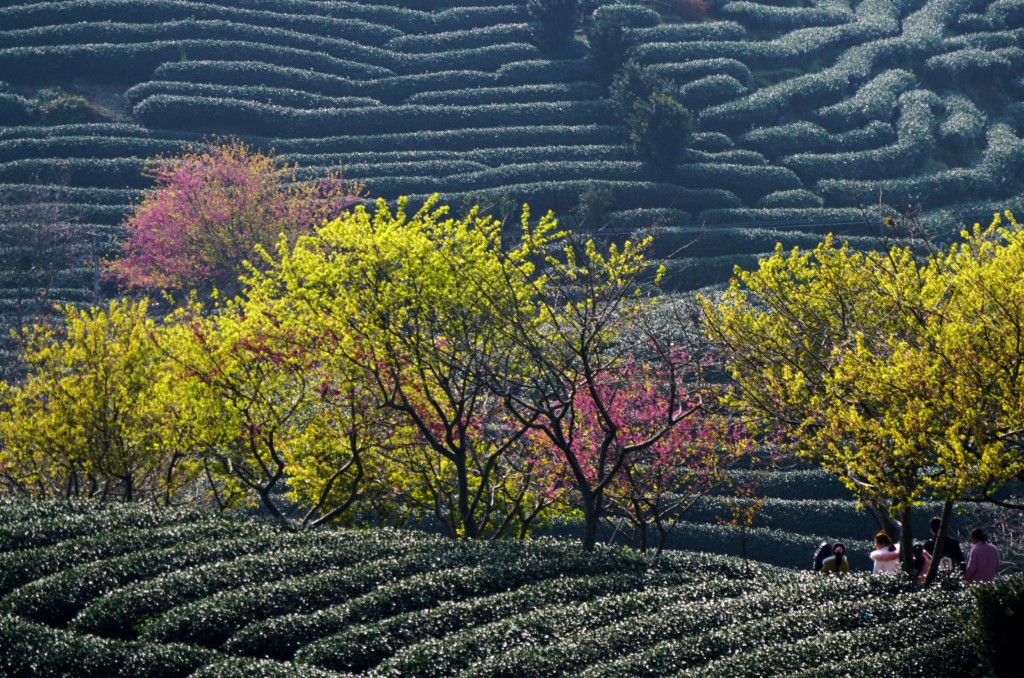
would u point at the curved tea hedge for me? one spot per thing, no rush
(802, 110)
(97, 590)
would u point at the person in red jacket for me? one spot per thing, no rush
(982, 559)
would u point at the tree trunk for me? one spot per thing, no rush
(907, 543)
(940, 542)
(591, 519)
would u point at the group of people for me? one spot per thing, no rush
(980, 565)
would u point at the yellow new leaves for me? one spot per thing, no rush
(95, 415)
(904, 376)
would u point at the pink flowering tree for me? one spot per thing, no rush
(211, 207)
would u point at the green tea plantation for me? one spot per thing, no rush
(94, 590)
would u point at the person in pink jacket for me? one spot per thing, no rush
(886, 556)
(982, 559)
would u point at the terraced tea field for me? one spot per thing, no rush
(92, 590)
(804, 111)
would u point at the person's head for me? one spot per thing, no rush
(978, 534)
(934, 524)
(882, 539)
(837, 552)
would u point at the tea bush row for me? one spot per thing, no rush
(115, 173)
(282, 636)
(711, 90)
(449, 40)
(578, 91)
(366, 592)
(277, 96)
(30, 15)
(974, 63)
(915, 142)
(786, 18)
(89, 147)
(27, 526)
(468, 139)
(1003, 157)
(544, 195)
(455, 653)
(132, 63)
(808, 137)
(689, 71)
(403, 19)
(687, 32)
(31, 649)
(800, 624)
(875, 100)
(651, 219)
(749, 182)
(764, 107)
(512, 174)
(823, 648)
(233, 115)
(953, 650)
(733, 156)
(120, 613)
(28, 564)
(92, 129)
(57, 598)
(363, 646)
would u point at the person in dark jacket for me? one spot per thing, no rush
(838, 563)
(951, 550)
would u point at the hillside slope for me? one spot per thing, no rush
(804, 113)
(91, 590)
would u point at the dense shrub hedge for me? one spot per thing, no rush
(478, 37)
(749, 182)
(278, 96)
(31, 649)
(466, 139)
(763, 16)
(876, 100)
(28, 564)
(94, 173)
(471, 649)
(57, 598)
(346, 25)
(711, 90)
(681, 73)
(808, 137)
(120, 613)
(363, 646)
(131, 63)
(835, 217)
(85, 147)
(234, 115)
(705, 30)
(577, 91)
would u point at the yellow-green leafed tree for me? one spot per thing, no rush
(900, 375)
(95, 415)
(814, 342)
(274, 412)
(415, 305)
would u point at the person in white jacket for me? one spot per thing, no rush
(886, 555)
